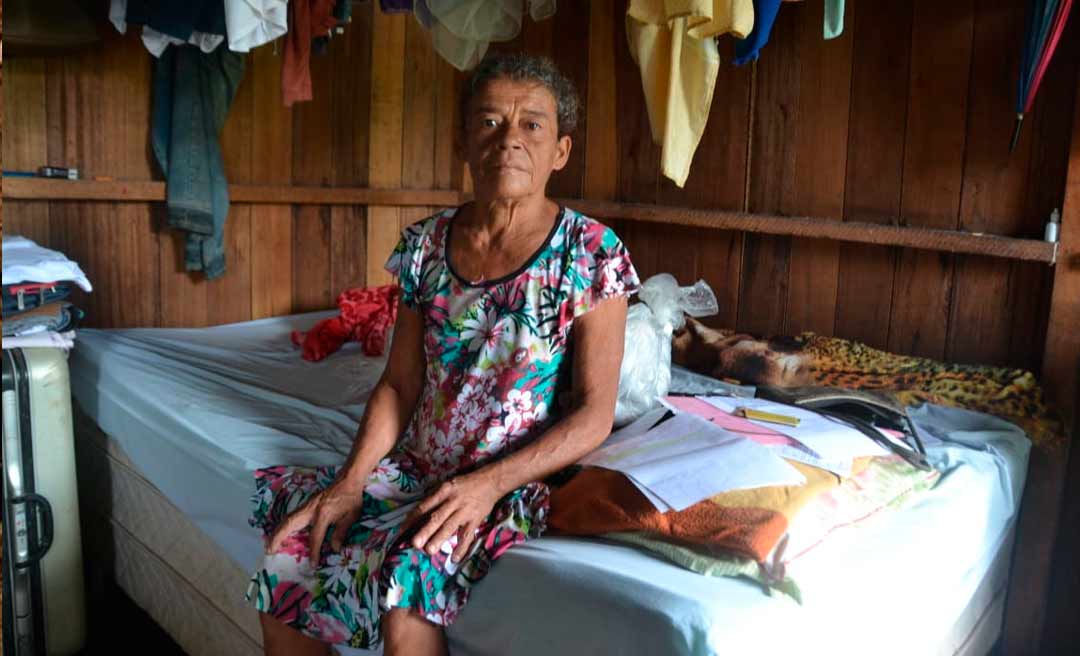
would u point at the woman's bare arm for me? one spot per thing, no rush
(388, 411)
(393, 400)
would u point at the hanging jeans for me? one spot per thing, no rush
(192, 94)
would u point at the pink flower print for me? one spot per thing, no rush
(611, 281)
(296, 545)
(495, 436)
(287, 600)
(521, 413)
(447, 448)
(329, 629)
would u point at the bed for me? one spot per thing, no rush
(172, 422)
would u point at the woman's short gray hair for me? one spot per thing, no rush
(520, 66)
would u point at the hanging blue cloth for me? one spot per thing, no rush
(747, 49)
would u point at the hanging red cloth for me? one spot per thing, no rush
(367, 313)
(307, 20)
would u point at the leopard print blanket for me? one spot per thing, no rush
(810, 359)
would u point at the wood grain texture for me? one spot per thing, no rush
(25, 146)
(229, 297)
(994, 186)
(1031, 285)
(271, 163)
(879, 103)
(932, 172)
(314, 145)
(388, 39)
(821, 137)
(1062, 360)
(805, 158)
(764, 280)
(280, 194)
(570, 47)
(1061, 375)
(600, 146)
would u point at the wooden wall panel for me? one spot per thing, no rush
(228, 298)
(905, 117)
(932, 171)
(879, 103)
(601, 119)
(571, 54)
(24, 141)
(271, 163)
(764, 281)
(993, 196)
(821, 137)
(388, 38)
(1031, 286)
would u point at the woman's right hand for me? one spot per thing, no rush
(340, 504)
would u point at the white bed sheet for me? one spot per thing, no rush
(198, 410)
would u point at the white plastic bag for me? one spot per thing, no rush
(645, 375)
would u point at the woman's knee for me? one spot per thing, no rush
(405, 632)
(280, 639)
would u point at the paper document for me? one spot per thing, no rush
(780, 444)
(760, 434)
(687, 459)
(831, 440)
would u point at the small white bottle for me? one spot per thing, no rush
(1053, 226)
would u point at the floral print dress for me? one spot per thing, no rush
(498, 368)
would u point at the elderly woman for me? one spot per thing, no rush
(503, 369)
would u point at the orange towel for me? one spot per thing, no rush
(746, 522)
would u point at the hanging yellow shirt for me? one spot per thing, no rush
(673, 43)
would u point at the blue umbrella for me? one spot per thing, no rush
(1045, 23)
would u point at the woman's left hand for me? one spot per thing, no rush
(460, 505)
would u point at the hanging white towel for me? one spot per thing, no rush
(155, 41)
(251, 23)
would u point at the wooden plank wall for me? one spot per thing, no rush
(908, 115)
(92, 111)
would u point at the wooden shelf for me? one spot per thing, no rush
(951, 241)
(150, 191)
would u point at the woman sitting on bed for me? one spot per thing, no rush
(503, 369)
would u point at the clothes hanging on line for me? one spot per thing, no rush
(748, 49)
(308, 19)
(396, 6)
(252, 23)
(192, 94)
(462, 29)
(206, 24)
(834, 18)
(200, 23)
(674, 46)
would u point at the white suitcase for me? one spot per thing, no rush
(44, 603)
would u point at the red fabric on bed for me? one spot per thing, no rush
(366, 316)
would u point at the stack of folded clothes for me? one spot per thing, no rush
(36, 285)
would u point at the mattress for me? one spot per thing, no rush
(195, 411)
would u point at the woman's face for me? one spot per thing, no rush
(512, 141)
